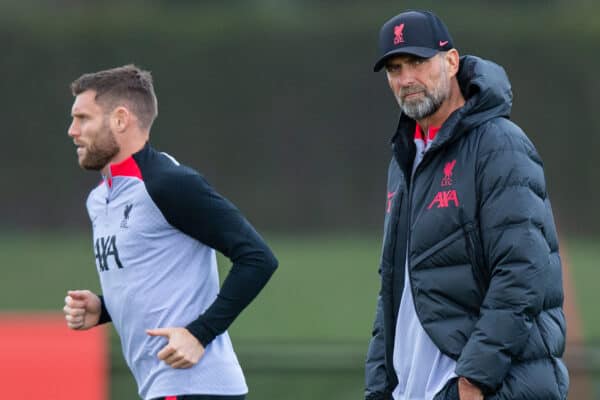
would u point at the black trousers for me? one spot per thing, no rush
(203, 397)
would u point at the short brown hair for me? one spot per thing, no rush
(127, 84)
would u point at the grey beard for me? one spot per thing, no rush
(418, 110)
(432, 100)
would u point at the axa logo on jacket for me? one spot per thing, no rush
(444, 198)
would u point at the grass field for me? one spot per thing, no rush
(305, 337)
(584, 255)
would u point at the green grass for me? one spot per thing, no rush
(325, 287)
(37, 269)
(304, 337)
(584, 255)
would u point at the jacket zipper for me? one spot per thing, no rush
(473, 244)
(413, 175)
(477, 267)
(396, 214)
(414, 291)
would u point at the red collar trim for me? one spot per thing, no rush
(127, 167)
(433, 130)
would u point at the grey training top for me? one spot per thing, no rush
(155, 227)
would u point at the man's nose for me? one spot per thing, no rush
(405, 78)
(72, 131)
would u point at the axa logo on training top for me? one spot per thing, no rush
(106, 249)
(399, 34)
(126, 213)
(444, 198)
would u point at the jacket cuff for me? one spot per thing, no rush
(104, 315)
(203, 333)
(485, 389)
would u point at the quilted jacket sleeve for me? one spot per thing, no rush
(375, 370)
(511, 194)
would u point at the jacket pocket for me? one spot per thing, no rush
(475, 253)
(390, 228)
(415, 260)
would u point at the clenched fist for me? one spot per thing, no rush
(82, 309)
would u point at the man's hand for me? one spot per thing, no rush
(183, 349)
(468, 391)
(82, 309)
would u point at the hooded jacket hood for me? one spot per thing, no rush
(487, 92)
(486, 89)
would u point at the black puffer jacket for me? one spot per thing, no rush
(483, 252)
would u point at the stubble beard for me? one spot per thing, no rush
(102, 149)
(429, 103)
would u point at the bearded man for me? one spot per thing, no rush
(156, 226)
(470, 305)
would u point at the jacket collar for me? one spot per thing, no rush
(128, 167)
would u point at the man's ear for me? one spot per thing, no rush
(453, 61)
(120, 119)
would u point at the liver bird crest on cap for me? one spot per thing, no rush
(399, 34)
